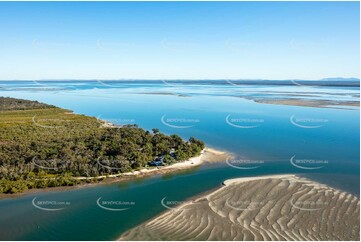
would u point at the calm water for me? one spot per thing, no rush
(323, 142)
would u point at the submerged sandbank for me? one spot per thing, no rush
(282, 207)
(316, 103)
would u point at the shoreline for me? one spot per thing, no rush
(208, 155)
(192, 162)
(208, 193)
(312, 103)
(245, 209)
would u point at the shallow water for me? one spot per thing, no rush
(321, 143)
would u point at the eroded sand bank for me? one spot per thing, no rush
(283, 207)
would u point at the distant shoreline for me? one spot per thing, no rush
(337, 82)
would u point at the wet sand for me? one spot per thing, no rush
(284, 207)
(310, 102)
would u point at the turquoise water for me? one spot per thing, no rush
(267, 135)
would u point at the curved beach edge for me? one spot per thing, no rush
(274, 207)
(208, 155)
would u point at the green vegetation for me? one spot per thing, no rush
(45, 146)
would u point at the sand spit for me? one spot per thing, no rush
(310, 102)
(283, 207)
(207, 155)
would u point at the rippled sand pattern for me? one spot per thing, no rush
(267, 208)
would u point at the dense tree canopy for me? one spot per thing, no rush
(45, 146)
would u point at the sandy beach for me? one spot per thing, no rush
(208, 155)
(281, 207)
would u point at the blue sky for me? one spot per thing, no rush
(179, 40)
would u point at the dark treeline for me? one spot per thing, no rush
(8, 103)
(48, 147)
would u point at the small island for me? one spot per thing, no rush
(45, 146)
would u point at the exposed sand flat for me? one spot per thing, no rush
(309, 102)
(283, 207)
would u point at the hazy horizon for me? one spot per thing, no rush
(191, 79)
